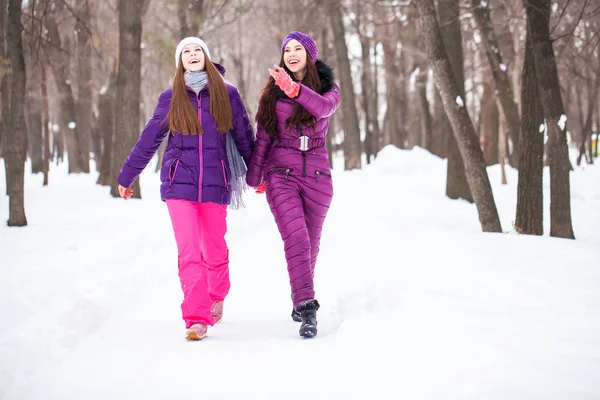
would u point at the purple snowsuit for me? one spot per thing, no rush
(298, 182)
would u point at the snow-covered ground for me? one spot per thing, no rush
(416, 302)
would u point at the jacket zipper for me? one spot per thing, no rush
(172, 176)
(321, 173)
(224, 175)
(201, 172)
(281, 171)
(303, 156)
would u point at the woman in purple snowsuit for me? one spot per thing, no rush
(290, 158)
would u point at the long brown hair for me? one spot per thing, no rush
(266, 115)
(182, 115)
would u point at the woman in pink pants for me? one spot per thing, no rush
(210, 140)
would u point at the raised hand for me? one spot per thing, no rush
(285, 82)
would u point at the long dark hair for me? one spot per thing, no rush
(266, 115)
(182, 116)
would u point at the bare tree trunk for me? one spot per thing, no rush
(59, 62)
(462, 126)
(191, 17)
(441, 128)
(374, 99)
(502, 145)
(457, 186)
(367, 93)
(33, 116)
(352, 145)
(84, 82)
(391, 125)
(4, 80)
(499, 72)
(530, 198)
(106, 114)
(425, 126)
(488, 120)
(46, 127)
(538, 16)
(16, 147)
(127, 114)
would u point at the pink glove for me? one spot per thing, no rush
(289, 87)
(261, 188)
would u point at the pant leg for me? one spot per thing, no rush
(283, 196)
(213, 227)
(192, 269)
(316, 198)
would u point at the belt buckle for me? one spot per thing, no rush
(303, 143)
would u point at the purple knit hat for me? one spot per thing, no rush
(309, 44)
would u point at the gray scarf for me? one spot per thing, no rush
(197, 80)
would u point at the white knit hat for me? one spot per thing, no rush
(190, 40)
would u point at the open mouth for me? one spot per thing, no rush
(194, 61)
(293, 62)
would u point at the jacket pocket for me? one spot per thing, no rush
(173, 170)
(321, 173)
(224, 175)
(285, 171)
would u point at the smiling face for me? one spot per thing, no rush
(294, 57)
(193, 58)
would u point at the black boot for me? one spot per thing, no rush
(308, 314)
(296, 315)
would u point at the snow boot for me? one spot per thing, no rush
(308, 314)
(216, 311)
(296, 315)
(196, 332)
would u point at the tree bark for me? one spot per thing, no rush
(457, 186)
(367, 93)
(15, 152)
(538, 16)
(127, 114)
(46, 127)
(530, 204)
(426, 141)
(84, 81)
(106, 114)
(392, 132)
(462, 126)
(59, 62)
(352, 144)
(191, 17)
(374, 100)
(499, 73)
(441, 128)
(488, 120)
(4, 79)
(33, 115)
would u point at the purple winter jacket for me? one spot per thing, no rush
(194, 167)
(270, 157)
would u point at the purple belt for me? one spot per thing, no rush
(303, 143)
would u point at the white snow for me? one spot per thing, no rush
(503, 67)
(459, 101)
(562, 121)
(543, 127)
(416, 302)
(72, 125)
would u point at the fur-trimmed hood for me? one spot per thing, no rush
(325, 75)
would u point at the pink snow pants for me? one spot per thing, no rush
(203, 257)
